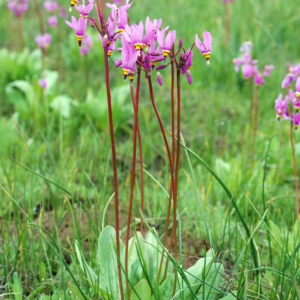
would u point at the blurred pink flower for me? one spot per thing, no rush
(52, 21)
(50, 5)
(43, 41)
(43, 82)
(259, 79)
(63, 12)
(204, 47)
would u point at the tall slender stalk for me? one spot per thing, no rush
(227, 25)
(114, 158)
(250, 117)
(39, 15)
(8, 26)
(295, 170)
(173, 112)
(255, 121)
(21, 32)
(136, 109)
(171, 167)
(175, 192)
(141, 164)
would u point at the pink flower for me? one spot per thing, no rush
(128, 59)
(79, 27)
(85, 10)
(291, 76)
(63, 12)
(166, 44)
(84, 50)
(295, 118)
(159, 78)
(50, 5)
(281, 107)
(259, 79)
(204, 47)
(267, 70)
(298, 87)
(249, 71)
(43, 82)
(52, 21)
(43, 41)
(294, 100)
(246, 46)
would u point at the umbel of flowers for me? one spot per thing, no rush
(251, 73)
(288, 108)
(145, 48)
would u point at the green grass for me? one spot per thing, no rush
(74, 151)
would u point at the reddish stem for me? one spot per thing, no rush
(173, 114)
(141, 164)
(114, 158)
(136, 109)
(39, 15)
(175, 194)
(250, 118)
(21, 32)
(255, 121)
(171, 167)
(227, 25)
(295, 170)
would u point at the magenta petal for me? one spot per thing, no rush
(159, 78)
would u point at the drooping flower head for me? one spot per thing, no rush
(297, 88)
(281, 107)
(166, 44)
(79, 27)
(122, 19)
(259, 79)
(204, 47)
(151, 29)
(294, 100)
(116, 9)
(135, 34)
(291, 76)
(186, 69)
(295, 118)
(43, 41)
(128, 59)
(84, 10)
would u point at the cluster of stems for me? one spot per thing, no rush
(140, 56)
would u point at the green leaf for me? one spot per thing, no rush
(230, 296)
(165, 290)
(107, 257)
(135, 273)
(154, 254)
(76, 293)
(142, 289)
(42, 272)
(17, 287)
(62, 105)
(87, 270)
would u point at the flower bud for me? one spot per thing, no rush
(105, 39)
(159, 78)
(180, 43)
(160, 67)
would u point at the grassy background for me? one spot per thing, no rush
(73, 150)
